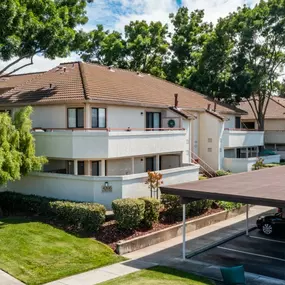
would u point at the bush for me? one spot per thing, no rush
(87, 216)
(222, 173)
(173, 207)
(202, 177)
(129, 213)
(12, 203)
(151, 213)
(229, 205)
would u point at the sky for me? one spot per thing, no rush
(115, 14)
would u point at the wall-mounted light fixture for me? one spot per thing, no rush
(106, 184)
(141, 113)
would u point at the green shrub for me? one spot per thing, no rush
(129, 213)
(222, 173)
(12, 203)
(172, 207)
(198, 207)
(151, 213)
(87, 216)
(202, 177)
(229, 205)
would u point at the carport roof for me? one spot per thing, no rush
(264, 187)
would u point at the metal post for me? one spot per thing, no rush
(184, 232)
(247, 234)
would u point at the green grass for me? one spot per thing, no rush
(159, 275)
(36, 253)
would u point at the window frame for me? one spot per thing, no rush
(76, 118)
(98, 118)
(150, 119)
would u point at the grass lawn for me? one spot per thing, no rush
(159, 275)
(36, 253)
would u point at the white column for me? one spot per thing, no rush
(88, 168)
(157, 164)
(103, 167)
(133, 165)
(75, 167)
(88, 116)
(247, 220)
(246, 152)
(184, 233)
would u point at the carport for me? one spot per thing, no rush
(264, 187)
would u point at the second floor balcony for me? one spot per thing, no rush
(107, 143)
(274, 137)
(233, 138)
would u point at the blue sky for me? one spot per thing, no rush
(115, 14)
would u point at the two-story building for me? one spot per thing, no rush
(103, 128)
(274, 124)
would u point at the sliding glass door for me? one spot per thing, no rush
(153, 120)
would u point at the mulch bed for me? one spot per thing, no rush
(110, 234)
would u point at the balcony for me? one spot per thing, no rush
(107, 143)
(233, 138)
(274, 137)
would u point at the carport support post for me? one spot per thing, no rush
(184, 232)
(247, 234)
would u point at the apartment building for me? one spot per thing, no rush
(103, 128)
(274, 124)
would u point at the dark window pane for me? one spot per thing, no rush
(238, 123)
(72, 118)
(80, 165)
(156, 120)
(80, 118)
(149, 162)
(95, 168)
(102, 118)
(94, 118)
(153, 120)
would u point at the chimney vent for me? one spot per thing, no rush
(209, 107)
(215, 106)
(50, 85)
(64, 69)
(176, 100)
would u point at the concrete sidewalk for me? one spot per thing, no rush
(167, 253)
(6, 279)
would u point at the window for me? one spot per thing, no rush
(98, 118)
(237, 123)
(249, 125)
(75, 118)
(80, 166)
(149, 164)
(209, 149)
(153, 120)
(95, 168)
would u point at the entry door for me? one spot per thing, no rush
(95, 168)
(149, 164)
(81, 170)
(153, 120)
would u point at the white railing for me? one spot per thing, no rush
(206, 168)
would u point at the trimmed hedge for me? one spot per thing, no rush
(13, 203)
(151, 213)
(229, 205)
(129, 213)
(173, 207)
(88, 216)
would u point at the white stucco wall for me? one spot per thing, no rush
(187, 155)
(53, 116)
(210, 140)
(119, 167)
(195, 128)
(273, 125)
(230, 122)
(89, 189)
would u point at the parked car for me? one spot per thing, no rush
(272, 224)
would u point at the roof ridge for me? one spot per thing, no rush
(174, 84)
(83, 79)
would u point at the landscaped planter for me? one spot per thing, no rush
(123, 247)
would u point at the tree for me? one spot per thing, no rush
(17, 147)
(30, 27)
(146, 46)
(245, 57)
(191, 33)
(103, 47)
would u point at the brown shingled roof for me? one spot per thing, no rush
(275, 109)
(82, 81)
(9, 82)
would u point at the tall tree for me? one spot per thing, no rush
(30, 27)
(17, 147)
(191, 33)
(146, 46)
(245, 58)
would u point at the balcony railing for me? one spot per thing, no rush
(242, 138)
(107, 143)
